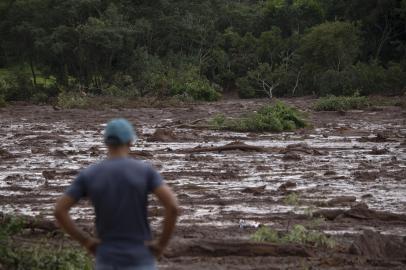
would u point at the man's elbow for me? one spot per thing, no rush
(57, 213)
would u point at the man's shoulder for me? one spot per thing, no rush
(104, 165)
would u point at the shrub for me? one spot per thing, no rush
(69, 100)
(292, 199)
(265, 234)
(187, 82)
(199, 90)
(341, 103)
(38, 256)
(298, 235)
(278, 117)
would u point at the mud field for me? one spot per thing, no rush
(348, 167)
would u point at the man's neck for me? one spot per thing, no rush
(117, 155)
(119, 152)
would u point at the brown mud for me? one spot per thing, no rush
(348, 168)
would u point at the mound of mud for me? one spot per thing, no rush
(366, 175)
(236, 145)
(162, 135)
(375, 245)
(361, 212)
(379, 151)
(340, 200)
(287, 185)
(46, 137)
(141, 154)
(291, 156)
(201, 247)
(254, 190)
(379, 138)
(301, 148)
(49, 175)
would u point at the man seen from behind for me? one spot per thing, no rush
(118, 189)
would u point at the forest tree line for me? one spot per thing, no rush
(199, 49)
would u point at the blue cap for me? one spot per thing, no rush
(119, 131)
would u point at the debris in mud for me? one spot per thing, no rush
(360, 211)
(48, 137)
(375, 245)
(94, 151)
(366, 165)
(59, 153)
(287, 185)
(254, 190)
(309, 175)
(5, 154)
(141, 154)
(302, 148)
(37, 150)
(330, 173)
(193, 157)
(379, 138)
(243, 224)
(11, 179)
(291, 156)
(341, 200)
(49, 175)
(162, 135)
(236, 145)
(366, 175)
(376, 151)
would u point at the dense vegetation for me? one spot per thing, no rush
(275, 117)
(197, 49)
(36, 255)
(342, 103)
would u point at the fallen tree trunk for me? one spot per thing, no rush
(28, 222)
(360, 212)
(214, 248)
(228, 147)
(141, 154)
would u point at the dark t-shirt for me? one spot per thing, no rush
(118, 189)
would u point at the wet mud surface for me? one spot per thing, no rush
(349, 168)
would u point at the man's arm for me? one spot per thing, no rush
(61, 212)
(168, 200)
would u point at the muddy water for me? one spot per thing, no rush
(210, 184)
(226, 195)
